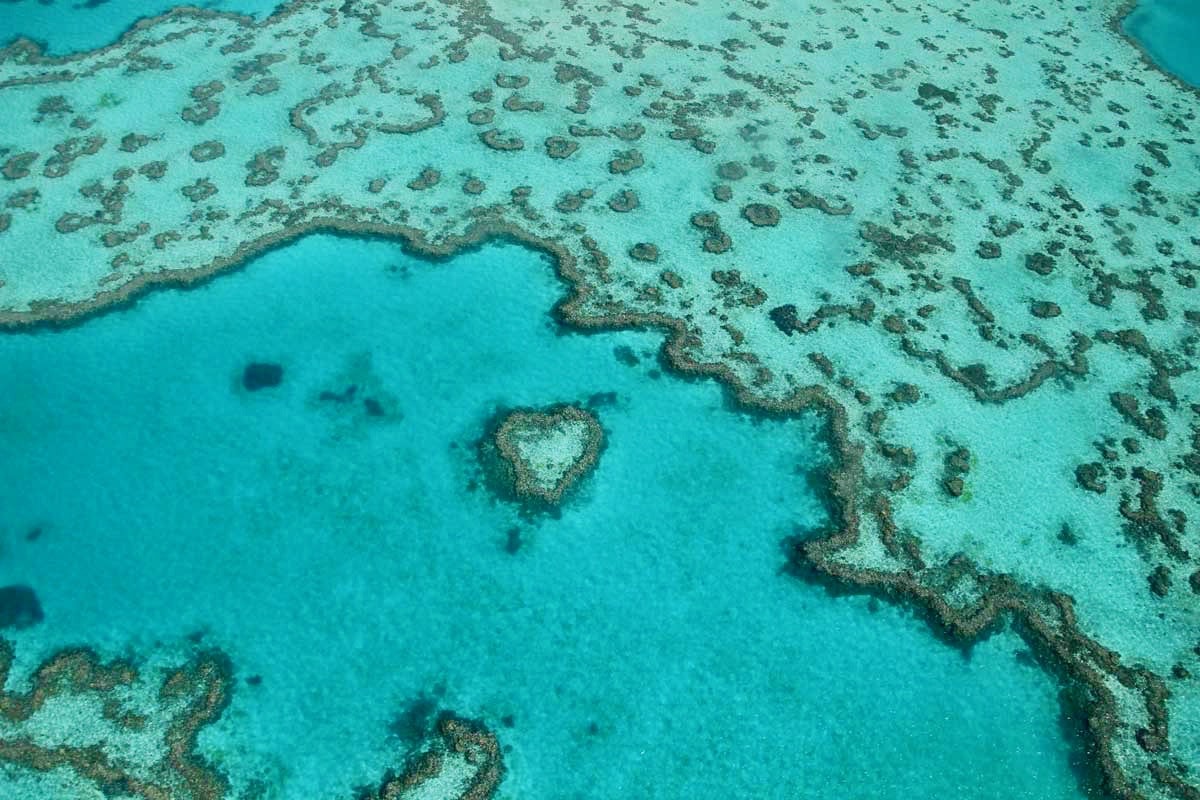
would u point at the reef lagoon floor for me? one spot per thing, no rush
(468, 400)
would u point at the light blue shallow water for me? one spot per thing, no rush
(646, 643)
(70, 26)
(1170, 31)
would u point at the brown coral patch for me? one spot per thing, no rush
(207, 151)
(625, 161)
(623, 201)
(437, 113)
(644, 251)
(495, 140)
(428, 178)
(761, 215)
(560, 147)
(17, 167)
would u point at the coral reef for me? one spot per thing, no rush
(168, 720)
(162, 715)
(540, 455)
(988, 243)
(462, 762)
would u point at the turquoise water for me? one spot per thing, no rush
(645, 643)
(1169, 30)
(69, 26)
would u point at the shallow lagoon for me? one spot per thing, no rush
(646, 643)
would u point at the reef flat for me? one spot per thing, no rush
(966, 233)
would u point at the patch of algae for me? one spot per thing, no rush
(131, 732)
(967, 232)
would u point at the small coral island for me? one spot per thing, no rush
(538, 455)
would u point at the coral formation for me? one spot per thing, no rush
(541, 454)
(462, 760)
(188, 698)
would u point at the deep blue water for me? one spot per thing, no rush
(645, 644)
(69, 26)
(1170, 32)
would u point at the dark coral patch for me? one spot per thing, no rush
(199, 191)
(625, 161)
(495, 140)
(644, 251)
(718, 242)
(623, 201)
(483, 116)
(785, 318)
(261, 375)
(731, 171)
(428, 178)
(19, 607)
(207, 151)
(1044, 309)
(929, 91)
(988, 250)
(761, 215)
(1040, 263)
(560, 147)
